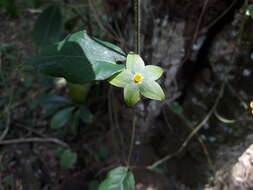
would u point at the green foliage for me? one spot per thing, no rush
(78, 92)
(61, 118)
(48, 26)
(85, 115)
(65, 112)
(80, 58)
(103, 153)
(67, 157)
(176, 108)
(118, 178)
(8, 180)
(9, 6)
(93, 185)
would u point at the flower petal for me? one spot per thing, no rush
(152, 72)
(121, 79)
(152, 90)
(134, 63)
(131, 94)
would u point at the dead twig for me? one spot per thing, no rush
(38, 140)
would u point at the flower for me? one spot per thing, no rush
(138, 79)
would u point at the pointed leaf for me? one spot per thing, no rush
(48, 26)
(152, 90)
(176, 107)
(66, 61)
(80, 59)
(75, 122)
(85, 115)
(68, 159)
(134, 63)
(131, 94)
(61, 118)
(104, 70)
(118, 179)
(153, 72)
(121, 79)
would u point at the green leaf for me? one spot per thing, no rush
(80, 59)
(176, 108)
(121, 79)
(59, 151)
(104, 70)
(152, 90)
(85, 115)
(66, 61)
(75, 122)
(78, 92)
(8, 180)
(134, 63)
(68, 159)
(103, 153)
(48, 26)
(131, 94)
(118, 179)
(93, 185)
(61, 118)
(153, 72)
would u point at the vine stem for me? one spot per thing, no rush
(132, 141)
(137, 13)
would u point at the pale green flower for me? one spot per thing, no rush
(138, 79)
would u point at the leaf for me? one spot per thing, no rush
(85, 115)
(75, 122)
(131, 94)
(68, 159)
(103, 153)
(222, 119)
(48, 26)
(176, 108)
(80, 58)
(59, 151)
(152, 90)
(104, 70)
(61, 118)
(66, 61)
(51, 101)
(8, 180)
(118, 179)
(153, 72)
(78, 92)
(93, 185)
(161, 170)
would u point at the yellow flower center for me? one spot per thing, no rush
(138, 78)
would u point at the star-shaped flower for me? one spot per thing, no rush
(138, 79)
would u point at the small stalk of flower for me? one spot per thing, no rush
(138, 79)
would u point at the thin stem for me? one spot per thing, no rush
(137, 13)
(132, 141)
